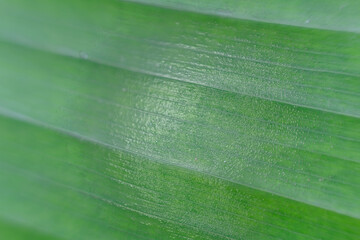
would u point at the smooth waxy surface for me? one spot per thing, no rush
(119, 124)
(324, 14)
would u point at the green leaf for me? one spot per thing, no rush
(123, 120)
(324, 14)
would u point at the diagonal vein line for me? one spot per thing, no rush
(14, 115)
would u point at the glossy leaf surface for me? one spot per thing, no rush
(124, 120)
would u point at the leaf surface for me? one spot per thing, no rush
(124, 120)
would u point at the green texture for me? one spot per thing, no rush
(124, 120)
(324, 14)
